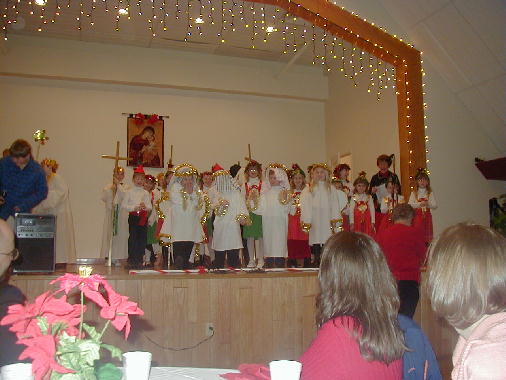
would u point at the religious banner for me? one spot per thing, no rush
(145, 140)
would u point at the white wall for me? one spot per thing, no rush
(455, 136)
(358, 123)
(84, 120)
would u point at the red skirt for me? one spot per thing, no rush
(423, 221)
(362, 222)
(298, 249)
(346, 222)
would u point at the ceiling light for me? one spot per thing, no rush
(270, 29)
(123, 11)
(199, 20)
(40, 2)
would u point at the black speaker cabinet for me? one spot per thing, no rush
(35, 240)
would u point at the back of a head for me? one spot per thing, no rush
(20, 148)
(467, 274)
(403, 211)
(355, 281)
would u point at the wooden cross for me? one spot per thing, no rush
(116, 158)
(249, 159)
(170, 165)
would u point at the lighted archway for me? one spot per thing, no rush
(404, 57)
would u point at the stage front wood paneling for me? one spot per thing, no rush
(257, 317)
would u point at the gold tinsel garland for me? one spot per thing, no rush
(306, 227)
(222, 208)
(283, 197)
(165, 196)
(254, 197)
(244, 218)
(204, 199)
(334, 227)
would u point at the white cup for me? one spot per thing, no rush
(285, 370)
(18, 371)
(136, 365)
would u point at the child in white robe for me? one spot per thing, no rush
(115, 222)
(189, 209)
(57, 203)
(274, 207)
(230, 213)
(321, 205)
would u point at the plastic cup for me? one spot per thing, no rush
(285, 370)
(18, 371)
(136, 365)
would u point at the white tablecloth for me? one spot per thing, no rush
(181, 373)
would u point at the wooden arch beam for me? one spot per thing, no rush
(405, 58)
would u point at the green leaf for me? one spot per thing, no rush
(90, 351)
(108, 372)
(43, 325)
(57, 327)
(92, 332)
(115, 351)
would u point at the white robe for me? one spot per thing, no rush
(183, 224)
(120, 240)
(422, 193)
(227, 230)
(319, 208)
(58, 203)
(274, 223)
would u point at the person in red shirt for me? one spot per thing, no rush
(359, 336)
(404, 249)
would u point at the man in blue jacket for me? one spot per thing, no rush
(22, 181)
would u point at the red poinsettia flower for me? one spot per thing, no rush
(118, 310)
(88, 285)
(42, 351)
(153, 118)
(23, 318)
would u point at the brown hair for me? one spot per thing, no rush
(424, 175)
(467, 274)
(384, 158)
(20, 148)
(355, 281)
(253, 165)
(361, 179)
(403, 211)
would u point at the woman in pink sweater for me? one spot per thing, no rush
(467, 286)
(359, 337)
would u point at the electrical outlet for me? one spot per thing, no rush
(209, 329)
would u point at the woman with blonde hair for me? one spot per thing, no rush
(467, 286)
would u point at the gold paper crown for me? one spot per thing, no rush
(276, 165)
(221, 172)
(118, 170)
(50, 163)
(185, 170)
(322, 165)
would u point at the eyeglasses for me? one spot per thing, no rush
(14, 254)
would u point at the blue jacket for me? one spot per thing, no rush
(25, 188)
(420, 354)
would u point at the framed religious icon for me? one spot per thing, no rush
(145, 140)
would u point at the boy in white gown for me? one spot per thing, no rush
(189, 209)
(116, 225)
(321, 205)
(58, 203)
(230, 213)
(274, 208)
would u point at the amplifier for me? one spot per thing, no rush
(35, 240)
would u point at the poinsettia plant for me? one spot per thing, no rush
(58, 341)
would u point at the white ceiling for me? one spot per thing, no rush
(465, 40)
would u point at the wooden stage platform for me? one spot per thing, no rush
(257, 317)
